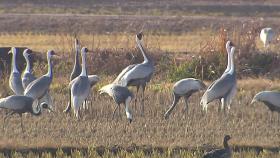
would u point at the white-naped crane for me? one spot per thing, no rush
(184, 88)
(224, 88)
(38, 88)
(19, 104)
(15, 82)
(120, 95)
(77, 69)
(266, 36)
(271, 99)
(137, 74)
(80, 87)
(28, 77)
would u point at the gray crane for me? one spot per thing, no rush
(138, 74)
(270, 99)
(93, 79)
(184, 88)
(266, 36)
(19, 104)
(28, 77)
(121, 95)
(77, 67)
(223, 89)
(80, 87)
(38, 88)
(220, 153)
(15, 82)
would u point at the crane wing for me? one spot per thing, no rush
(80, 87)
(220, 87)
(140, 71)
(16, 83)
(93, 79)
(124, 71)
(26, 79)
(37, 88)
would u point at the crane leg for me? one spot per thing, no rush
(69, 104)
(6, 117)
(115, 111)
(21, 124)
(119, 111)
(174, 103)
(143, 99)
(85, 106)
(270, 116)
(90, 107)
(222, 106)
(76, 113)
(135, 102)
(186, 110)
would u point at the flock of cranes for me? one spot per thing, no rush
(31, 94)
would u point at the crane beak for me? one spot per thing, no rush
(57, 56)
(90, 52)
(51, 110)
(166, 116)
(10, 52)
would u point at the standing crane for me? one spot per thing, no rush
(15, 82)
(77, 67)
(184, 88)
(93, 79)
(121, 95)
(38, 88)
(28, 77)
(223, 89)
(19, 104)
(270, 99)
(137, 74)
(80, 87)
(266, 36)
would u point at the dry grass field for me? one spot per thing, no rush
(176, 33)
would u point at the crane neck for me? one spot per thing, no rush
(232, 70)
(228, 60)
(14, 65)
(225, 144)
(37, 111)
(146, 58)
(77, 62)
(84, 69)
(28, 66)
(50, 71)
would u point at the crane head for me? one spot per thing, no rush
(140, 35)
(84, 50)
(13, 50)
(27, 52)
(44, 105)
(227, 137)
